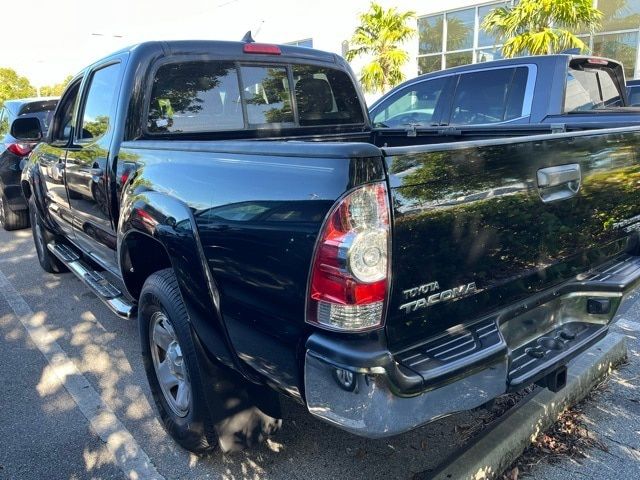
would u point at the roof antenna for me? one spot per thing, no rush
(248, 38)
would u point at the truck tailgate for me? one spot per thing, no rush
(480, 226)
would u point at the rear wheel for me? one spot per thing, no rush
(172, 365)
(41, 237)
(11, 220)
(202, 403)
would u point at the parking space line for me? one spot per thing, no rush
(130, 457)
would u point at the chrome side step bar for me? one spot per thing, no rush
(105, 290)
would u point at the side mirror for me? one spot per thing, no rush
(27, 129)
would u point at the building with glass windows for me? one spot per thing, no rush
(453, 37)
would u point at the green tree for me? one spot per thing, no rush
(13, 86)
(380, 34)
(539, 27)
(56, 89)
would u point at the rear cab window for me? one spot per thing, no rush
(216, 96)
(591, 87)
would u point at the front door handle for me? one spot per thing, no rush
(560, 182)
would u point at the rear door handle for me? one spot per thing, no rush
(560, 182)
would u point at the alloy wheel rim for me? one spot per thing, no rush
(169, 365)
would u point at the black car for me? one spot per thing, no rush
(13, 208)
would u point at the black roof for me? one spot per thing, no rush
(18, 105)
(225, 48)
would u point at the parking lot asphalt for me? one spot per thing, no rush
(612, 415)
(75, 401)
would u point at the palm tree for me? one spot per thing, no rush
(379, 35)
(540, 27)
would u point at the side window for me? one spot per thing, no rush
(416, 104)
(489, 96)
(99, 102)
(195, 97)
(64, 114)
(267, 95)
(634, 96)
(517, 90)
(4, 122)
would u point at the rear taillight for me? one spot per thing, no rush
(20, 149)
(349, 275)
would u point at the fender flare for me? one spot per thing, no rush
(170, 222)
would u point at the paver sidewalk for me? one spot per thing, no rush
(613, 415)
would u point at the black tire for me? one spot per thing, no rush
(12, 220)
(194, 431)
(41, 237)
(225, 409)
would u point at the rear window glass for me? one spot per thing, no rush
(206, 96)
(489, 96)
(267, 95)
(590, 89)
(325, 96)
(195, 97)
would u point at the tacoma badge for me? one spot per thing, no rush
(438, 297)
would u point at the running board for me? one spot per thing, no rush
(105, 290)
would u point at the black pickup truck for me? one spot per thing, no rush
(235, 199)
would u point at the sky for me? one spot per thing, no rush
(60, 37)
(64, 36)
(55, 38)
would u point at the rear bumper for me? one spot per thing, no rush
(360, 387)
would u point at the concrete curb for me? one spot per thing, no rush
(496, 450)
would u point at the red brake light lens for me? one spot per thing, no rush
(597, 61)
(261, 48)
(349, 278)
(20, 149)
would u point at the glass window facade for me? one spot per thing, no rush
(454, 38)
(307, 42)
(449, 39)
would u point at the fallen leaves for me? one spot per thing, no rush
(568, 437)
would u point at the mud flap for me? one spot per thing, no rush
(244, 414)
